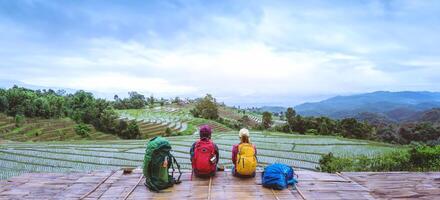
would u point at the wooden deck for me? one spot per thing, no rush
(312, 185)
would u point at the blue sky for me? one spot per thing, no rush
(242, 52)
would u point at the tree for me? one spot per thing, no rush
(108, 120)
(267, 120)
(388, 134)
(81, 106)
(151, 101)
(40, 107)
(290, 117)
(4, 105)
(421, 132)
(299, 124)
(57, 106)
(246, 121)
(176, 100)
(131, 131)
(206, 108)
(82, 129)
(350, 127)
(168, 132)
(162, 102)
(20, 101)
(136, 100)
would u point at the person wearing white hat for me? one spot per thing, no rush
(244, 154)
(244, 132)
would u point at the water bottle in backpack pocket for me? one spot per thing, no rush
(157, 163)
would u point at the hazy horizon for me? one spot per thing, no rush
(255, 53)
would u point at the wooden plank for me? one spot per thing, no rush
(312, 185)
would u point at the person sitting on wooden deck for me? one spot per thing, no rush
(244, 156)
(204, 154)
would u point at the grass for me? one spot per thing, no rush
(302, 152)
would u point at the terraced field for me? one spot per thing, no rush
(234, 114)
(300, 151)
(45, 130)
(153, 122)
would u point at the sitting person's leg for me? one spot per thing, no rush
(234, 173)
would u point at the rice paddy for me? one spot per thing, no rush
(299, 151)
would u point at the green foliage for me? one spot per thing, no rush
(329, 163)
(134, 101)
(151, 101)
(312, 132)
(82, 129)
(22, 101)
(425, 158)
(299, 124)
(206, 108)
(176, 100)
(418, 158)
(245, 122)
(168, 132)
(387, 134)
(290, 118)
(425, 132)
(19, 120)
(4, 104)
(234, 124)
(107, 121)
(128, 131)
(267, 120)
(351, 128)
(80, 106)
(419, 132)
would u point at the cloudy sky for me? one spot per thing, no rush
(242, 52)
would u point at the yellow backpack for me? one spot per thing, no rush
(246, 159)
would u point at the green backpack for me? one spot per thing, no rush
(157, 177)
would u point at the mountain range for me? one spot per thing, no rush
(380, 106)
(394, 106)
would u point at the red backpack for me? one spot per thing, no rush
(204, 160)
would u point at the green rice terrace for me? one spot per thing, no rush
(51, 145)
(153, 122)
(301, 151)
(45, 130)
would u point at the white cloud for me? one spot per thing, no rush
(115, 83)
(227, 70)
(267, 52)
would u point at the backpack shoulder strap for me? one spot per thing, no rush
(197, 143)
(212, 144)
(178, 168)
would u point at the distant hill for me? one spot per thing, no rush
(272, 109)
(376, 119)
(431, 115)
(395, 106)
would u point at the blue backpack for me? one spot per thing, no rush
(278, 176)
